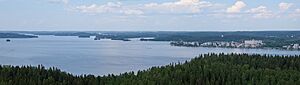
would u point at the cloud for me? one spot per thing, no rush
(296, 13)
(285, 6)
(261, 12)
(236, 8)
(110, 7)
(181, 6)
(193, 7)
(132, 12)
(106, 8)
(59, 1)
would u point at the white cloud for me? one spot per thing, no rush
(261, 12)
(296, 13)
(181, 6)
(106, 8)
(133, 12)
(285, 6)
(59, 1)
(109, 7)
(194, 7)
(236, 8)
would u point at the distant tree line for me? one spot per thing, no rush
(272, 39)
(206, 69)
(16, 35)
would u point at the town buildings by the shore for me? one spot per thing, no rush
(292, 47)
(245, 44)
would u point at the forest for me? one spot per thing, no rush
(273, 39)
(205, 69)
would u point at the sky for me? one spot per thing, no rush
(149, 15)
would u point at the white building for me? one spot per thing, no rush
(296, 46)
(253, 43)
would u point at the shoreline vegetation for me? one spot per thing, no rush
(288, 40)
(205, 69)
(217, 44)
(16, 35)
(285, 40)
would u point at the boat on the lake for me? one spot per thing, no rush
(8, 40)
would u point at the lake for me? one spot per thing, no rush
(87, 56)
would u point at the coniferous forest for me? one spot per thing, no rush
(206, 69)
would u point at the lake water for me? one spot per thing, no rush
(87, 56)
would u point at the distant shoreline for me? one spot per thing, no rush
(16, 35)
(270, 48)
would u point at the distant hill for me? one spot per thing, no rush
(207, 69)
